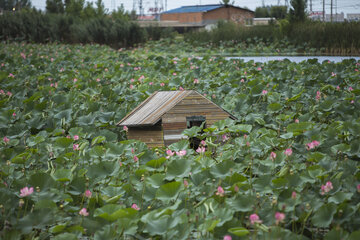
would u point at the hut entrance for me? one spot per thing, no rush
(195, 121)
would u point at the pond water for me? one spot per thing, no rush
(296, 59)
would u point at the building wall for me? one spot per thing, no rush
(174, 121)
(183, 17)
(152, 135)
(228, 13)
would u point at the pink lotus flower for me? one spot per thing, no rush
(259, 69)
(11, 75)
(75, 80)
(356, 70)
(131, 86)
(23, 55)
(297, 121)
(98, 80)
(196, 80)
(312, 145)
(132, 80)
(293, 195)
(333, 74)
(288, 152)
(88, 193)
(125, 128)
(181, 153)
(134, 206)
(264, 92)
(203, 143)
(83, 212)
(224, 138)
(181, 88)
(220, 191)
(169, 153)
(175, 62)
(350, 89)
(26, 191)
(236, 188)
(151, 83)
(358, 188)
(227, 237)
(9, 94)
(242, 80)
(200, 150)
(174, 74)
(162, 84)
(337, 88)
(272, 156)
(186, 183)
(279, 217)
(6, 140)
(76, 137)
(52, 59)
(136, 159)
(318, 95)
(254, 218)
(132, 150)
(141, 78)
(76, 147)
(326, 188)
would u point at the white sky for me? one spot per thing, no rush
(346, 6)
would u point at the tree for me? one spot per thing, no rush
(262, 12)
(297, 10)
(278, 12)
(54, 6)
(74, 7)
(10, 5)
(100, 8)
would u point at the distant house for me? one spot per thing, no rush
(160, 120)
(353, 16)
(203, 15)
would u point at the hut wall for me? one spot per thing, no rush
(151, 135)
(174, 121)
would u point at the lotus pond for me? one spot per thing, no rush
(287, 168)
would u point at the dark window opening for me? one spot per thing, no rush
(195, 121)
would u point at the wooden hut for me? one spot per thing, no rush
(160, 120)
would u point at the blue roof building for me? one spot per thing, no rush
(203, 15)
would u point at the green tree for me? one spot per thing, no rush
(100, 8)
(278, 12)
(54, 6)
(9, 5)
(89, 11)
(262, 12)
(297, 10)
(74, 7)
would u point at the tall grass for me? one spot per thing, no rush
(330, 38)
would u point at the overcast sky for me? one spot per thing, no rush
(346, 6)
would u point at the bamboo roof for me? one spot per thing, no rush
(150, 111)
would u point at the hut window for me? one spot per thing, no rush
(195, 121)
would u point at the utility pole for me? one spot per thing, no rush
(323, 10)
(331, 11)
(311, 6)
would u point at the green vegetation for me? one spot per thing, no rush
(76, 22)
(286, 169)
(324, 38)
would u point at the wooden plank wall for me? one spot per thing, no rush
(174, 121)
(152, 135)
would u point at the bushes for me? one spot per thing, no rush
(35, 26)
